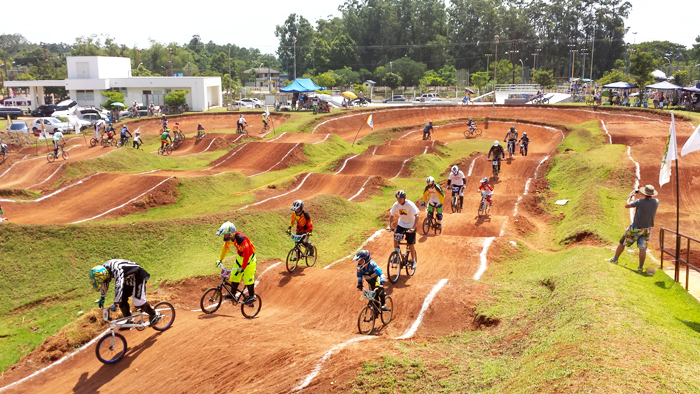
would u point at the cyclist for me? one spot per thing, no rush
(135, 109)
(427, 129)
(246, 261)
(177, 131)
(433, 195)
(511, 137)
(370, 271)
(406, 213)
(264, 119)
(124, 132)
(486, 191)
(164, 137)
(151, 109)
(164, 122)
(525, 141)
(457, 178)
(497, 151)
(137, 140)
(57, 137)
(99, 124)
(304, 225)
(129, 281)
(3, 147)
(240, 128)
(200, 131)
(471, 124)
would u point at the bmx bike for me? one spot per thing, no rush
(398, 260)
(429, 223)
(373, 309)
(212, 297)
(299, 252)
(165, 150)
(456, 201)
(472, 131)
(484, 206)
(53, 156)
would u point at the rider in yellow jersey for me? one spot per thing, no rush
(304, 225)
(246, 261)
(434, 196)
(177, 131)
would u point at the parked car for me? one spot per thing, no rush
(395, 98)
(19, 126)
(12, 112)
(64, 108)
(427, 97)
(143, 111)
(44, 110)
(251, 103)
(101, 114)
(90, 117)
(51, 124)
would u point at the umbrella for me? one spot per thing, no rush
(663, 86)
(349, 95)
(118, 104)
(468, 90)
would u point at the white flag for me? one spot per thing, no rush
(369, 122)
(692, 144)
(267, 112)
(670, 154)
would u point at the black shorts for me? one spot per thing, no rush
(410, 237)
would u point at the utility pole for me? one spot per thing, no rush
(534, 60)
(593, 50)
(488, 56)
(295, 56)
(495, 64)
(171, 61)
(583, 64)
(573, 63)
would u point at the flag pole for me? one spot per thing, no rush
(358, 133)
(678, 233)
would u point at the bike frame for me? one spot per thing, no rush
(228, 286)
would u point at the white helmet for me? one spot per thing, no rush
(495, 143)
(430, 180)
(226, 228)
(484, 180)
(455, 170)
(58, 130)
(524, 133)
(297, 205)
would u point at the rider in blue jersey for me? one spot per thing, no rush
(368, 269)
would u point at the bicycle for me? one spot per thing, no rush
(112, 346)
(472, 132)
(241, 130)
(430, 223)
(590, 101)
(456, 202)
(165, 150)
(122, 142)
(511, 148)
(300, 251)
(266, 126)
(427, 136)
(398, 260)
(369, 312)
(53, 156)
(108, 141)
(523, 149)
(176, 142)
(212, 298)
(3, 153)
(484, 207)
(200, 135)
(494, 167)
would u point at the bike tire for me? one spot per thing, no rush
(365, 322)
(454, 203)
(292, 259)
(211, 300)
(437, 229)
(466, 133)
(311, 261)
(111, 348)
(50, 157)
(64, 154)
(477, 131)
(409, 269)
(426, 226)
(251, 309)
(386, 316)
(168, 150)
(167, 316)
(393, 265)
(545, 101)
(104, 143)
(482, 208)
(93, 142)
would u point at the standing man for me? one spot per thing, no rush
(640, 229)
(407, 213)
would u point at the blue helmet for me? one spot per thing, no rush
(226, 228)
(363, 258)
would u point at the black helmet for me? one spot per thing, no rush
(400, 194)
(512, 128)
(364, 256)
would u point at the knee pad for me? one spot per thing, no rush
(439, 216)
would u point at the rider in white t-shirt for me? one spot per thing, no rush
(99, 124)
(407, 213)
(457, 180)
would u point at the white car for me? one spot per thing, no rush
(251, 103)
(51, 124)
(65, 108)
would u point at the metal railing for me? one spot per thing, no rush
(678, 259)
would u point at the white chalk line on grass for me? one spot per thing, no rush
(361, 189)
(407, 134)
(471, 166)
(323, 140)
(375, 149)
(56, 192)
(281, 195)
(56, 363)
(344, 163)
(538, 165)
(325, 357)
(426, 149)
(50, 176)
(636, 179)
(426, 303)
(368, 240)
(517, 203)
(276, 164)
(606, 132)
(121, 206)
(330, 120)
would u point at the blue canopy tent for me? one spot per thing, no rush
(619, 85)
(301, 85)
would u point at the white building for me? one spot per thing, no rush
(88, 76)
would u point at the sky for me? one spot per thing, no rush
(250, 24)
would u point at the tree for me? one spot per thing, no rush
(431, 78)
(392, 80)
(112, 97)
(544, 78)
(681, 78)
(25, 77)
(325, 80)
(448, 74)
(141, 71)
(295, 27)
(345, 77)
(176, 98)
(479, 79)
(613, 76)
(410, 71)
(641, 66)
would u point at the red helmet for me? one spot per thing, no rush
(431, 122)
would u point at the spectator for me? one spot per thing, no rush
(640, 229)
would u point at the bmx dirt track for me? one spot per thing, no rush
(305, 337)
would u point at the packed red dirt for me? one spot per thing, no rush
(279, 350)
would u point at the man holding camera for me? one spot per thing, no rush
(640, 229)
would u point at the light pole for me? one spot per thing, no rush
(634, 34)
(391, 65)
(295, 56)
(488, 56)
(583, 63)
(668, 67)
(522, 71)
(691, 77)
(573, 63)
(534, 60)
(495, 63)
(171, 61)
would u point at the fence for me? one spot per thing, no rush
(678, 259)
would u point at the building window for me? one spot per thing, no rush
(86, 95)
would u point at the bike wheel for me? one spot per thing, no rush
(64, 154)
(311, 261)
(167, 316)
(93, 142)
(426, 226)
(50, 157)
(545, 101)
(168, 150)
(481, 208)
(437, 229)
(251, 309)
(454, 203)
(387, 315)
(119, 144)
(292, 259)
(409, 267)
(393, 267)
(466, 133)
(111, 348)
(211, 300)
(477, 131)
(365, 322)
